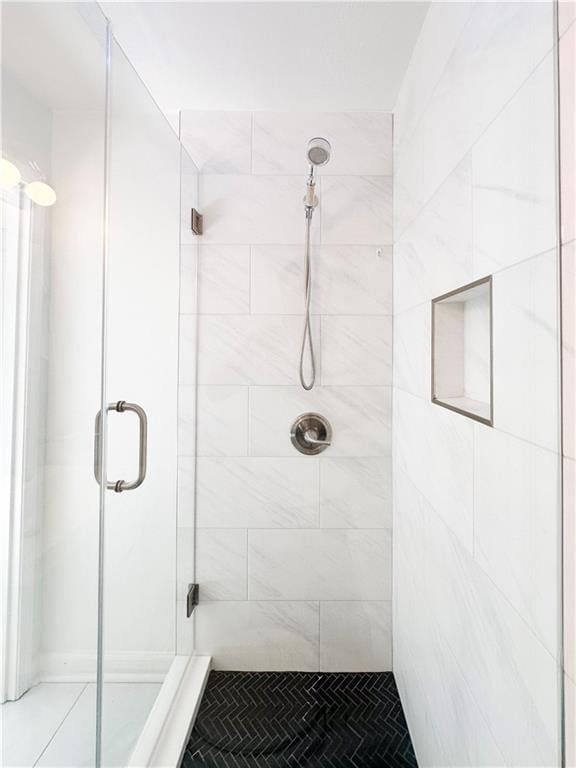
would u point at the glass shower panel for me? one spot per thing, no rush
(141, 352)
(53, 140)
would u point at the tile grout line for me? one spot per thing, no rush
(522, 262)
(279, 529)
(455, 539)
(453, 414)
(477, 140)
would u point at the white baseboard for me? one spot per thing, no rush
(127, 667)
(171, 719)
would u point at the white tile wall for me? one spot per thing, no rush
(188, 272)
(249, 349)
(356, 209)
(219, 142)
(567, 84)
(222, 421)
(346, 279)
(256, 635)
(476, 509)
(356, 493)
(511, 675)
(569, 346)
(461, 644)
(246, 209)
(221, 563)
(514, 211)
(427, 674)
(361, 142)
(184, 559)
(258, 493)
(355, 636)
(566, 15)
(526, 352)
(187, 403)
(360, 418)
(441, 29)
(516, 525)
(436, 448)
(570, 698)
(434, 255)
(497, 49)
(319, 564)
(224, 279)
(569, 488)
(289, 547)
(568, 120)
(186, 421)
(356, 350)
(412, 343)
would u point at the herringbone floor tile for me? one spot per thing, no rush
(300, 720)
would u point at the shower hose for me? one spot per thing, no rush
(307, 335)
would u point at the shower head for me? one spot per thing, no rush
(318, 154)
(318, 151)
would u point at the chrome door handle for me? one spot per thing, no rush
(122, 485)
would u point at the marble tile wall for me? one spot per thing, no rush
(187, 407)
(293, 553)
(567, 72)
(477, 509)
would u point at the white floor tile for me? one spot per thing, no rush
(125, 707)
(29, 723)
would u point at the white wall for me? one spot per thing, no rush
(476, 509)
(293, 552)
(70, 573)
(26, 134)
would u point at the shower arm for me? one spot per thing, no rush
(311, 175)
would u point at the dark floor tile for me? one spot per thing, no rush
(300, 720)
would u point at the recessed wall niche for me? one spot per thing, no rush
(462, 350)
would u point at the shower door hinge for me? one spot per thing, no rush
(197, 222)
(192, 598)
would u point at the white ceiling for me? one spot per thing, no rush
(314, 56)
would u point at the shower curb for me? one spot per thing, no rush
(169, 725)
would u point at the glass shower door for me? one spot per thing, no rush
(141, 385)
(53, 147)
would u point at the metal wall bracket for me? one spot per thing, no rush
(192, 598)
(197, 222)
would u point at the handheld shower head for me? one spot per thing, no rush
(318, 151)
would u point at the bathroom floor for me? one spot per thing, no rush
(300, 720)
(52, 725)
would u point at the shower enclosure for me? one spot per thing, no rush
(91, 627)
(149, 383)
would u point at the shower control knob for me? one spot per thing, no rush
(311, 433)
